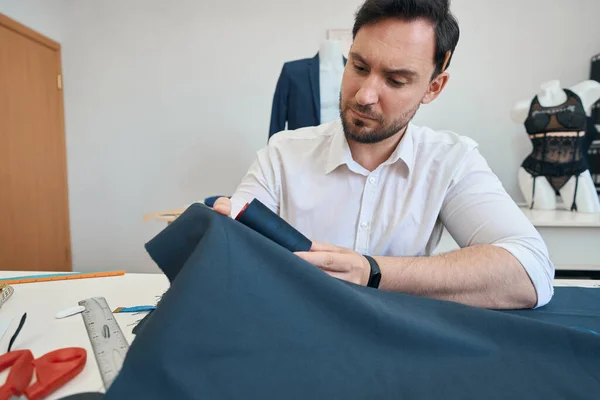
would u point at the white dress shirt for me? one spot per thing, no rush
(433, 179)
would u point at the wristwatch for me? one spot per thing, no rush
(375, 276)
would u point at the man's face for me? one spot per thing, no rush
(387, 77)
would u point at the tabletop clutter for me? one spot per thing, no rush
(59, 367)
(277, 331)
(267, 313)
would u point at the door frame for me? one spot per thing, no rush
(23, 30)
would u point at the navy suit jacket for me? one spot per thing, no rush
(297, 98)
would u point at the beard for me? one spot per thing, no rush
(357, 130)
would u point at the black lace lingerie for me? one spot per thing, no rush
(557, 135)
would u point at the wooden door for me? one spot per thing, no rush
(34, 211)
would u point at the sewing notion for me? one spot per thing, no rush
(69, 312)
(53, 370)
(59, 277)
(107, 339)
(5, 292)
(135, 309)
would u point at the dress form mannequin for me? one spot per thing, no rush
(580, 188)
(331, 70)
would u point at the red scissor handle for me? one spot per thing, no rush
(55, 369)
(20, 373)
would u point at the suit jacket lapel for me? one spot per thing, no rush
(313, 73)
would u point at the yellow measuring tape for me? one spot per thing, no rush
(58, 277)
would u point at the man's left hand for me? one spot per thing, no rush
(339, 262)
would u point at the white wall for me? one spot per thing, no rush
(167, 102)
(43, 16)
(507, 49)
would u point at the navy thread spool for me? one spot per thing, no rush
(258, 217)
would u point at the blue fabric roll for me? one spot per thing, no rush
(264, 221)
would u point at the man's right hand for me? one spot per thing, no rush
(223, 206)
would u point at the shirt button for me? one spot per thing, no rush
(373, 180)
(364, 225)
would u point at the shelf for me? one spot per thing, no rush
(595, 268)
(562, 218)
(588, 283)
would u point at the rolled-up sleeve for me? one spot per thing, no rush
(260, 182)
(478, 210)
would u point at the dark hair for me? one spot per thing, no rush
(435, 11)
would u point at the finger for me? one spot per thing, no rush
(222, 206)
(318, 246)
(326, 260)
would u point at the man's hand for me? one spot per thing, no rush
(223, 206)
(338, 262)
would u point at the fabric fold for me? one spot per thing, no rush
(245, 318)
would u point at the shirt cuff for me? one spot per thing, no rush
(539, 268)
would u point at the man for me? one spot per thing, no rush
(373, 184)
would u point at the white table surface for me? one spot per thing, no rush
(43, 333)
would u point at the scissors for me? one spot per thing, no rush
(53, 370)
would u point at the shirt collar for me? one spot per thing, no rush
(405, 150)
(339, 151)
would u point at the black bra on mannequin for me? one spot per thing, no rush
(557, 157)
(569, 116)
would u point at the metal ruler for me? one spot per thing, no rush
(108, 342)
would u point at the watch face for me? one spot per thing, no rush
(376, 280)
(375, 275)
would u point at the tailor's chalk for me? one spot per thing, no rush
(70, 311)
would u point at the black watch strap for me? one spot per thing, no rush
(375, 275)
